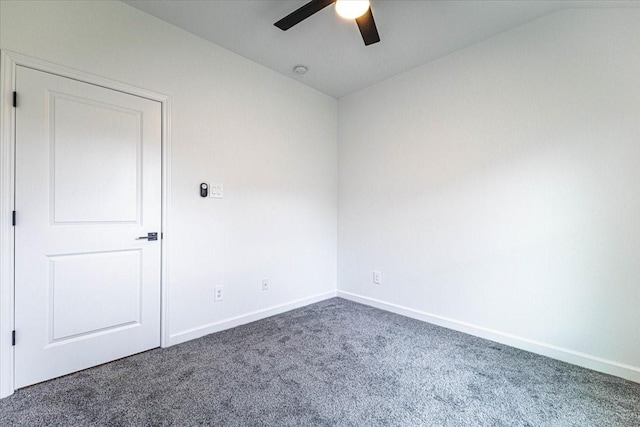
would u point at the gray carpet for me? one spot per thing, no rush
(335, 363)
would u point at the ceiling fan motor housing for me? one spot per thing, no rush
(366, 23)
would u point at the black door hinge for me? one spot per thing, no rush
(15, 99)
(13, 337)
(13, 219)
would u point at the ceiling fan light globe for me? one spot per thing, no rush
(352, 9)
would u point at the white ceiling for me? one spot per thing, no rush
(412, 33)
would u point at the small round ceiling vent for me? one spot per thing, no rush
(300, 69)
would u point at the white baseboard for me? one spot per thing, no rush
(584, 360)
(232, 322)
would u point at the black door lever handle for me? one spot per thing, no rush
(149, 237)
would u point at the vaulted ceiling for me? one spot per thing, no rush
(412, 33)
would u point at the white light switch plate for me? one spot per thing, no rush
(216, 191)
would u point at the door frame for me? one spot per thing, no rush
(9, 61)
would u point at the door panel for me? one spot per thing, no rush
(100, 181)
(88, 184)
(81, 284)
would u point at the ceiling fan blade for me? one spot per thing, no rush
(302, 13)
(368, 29)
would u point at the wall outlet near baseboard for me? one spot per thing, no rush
(218, 294)
(377, 277)
(265, 284)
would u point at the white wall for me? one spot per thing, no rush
(270, 140)
(498, 189)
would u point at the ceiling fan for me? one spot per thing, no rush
(359, 10)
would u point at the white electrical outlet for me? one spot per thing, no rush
(218, 294)
(265, 284)
(216, 191)
(377, 277)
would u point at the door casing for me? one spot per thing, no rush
(8, 63)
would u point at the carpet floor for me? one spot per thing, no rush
(334, 363)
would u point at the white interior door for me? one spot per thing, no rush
(88, 183)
